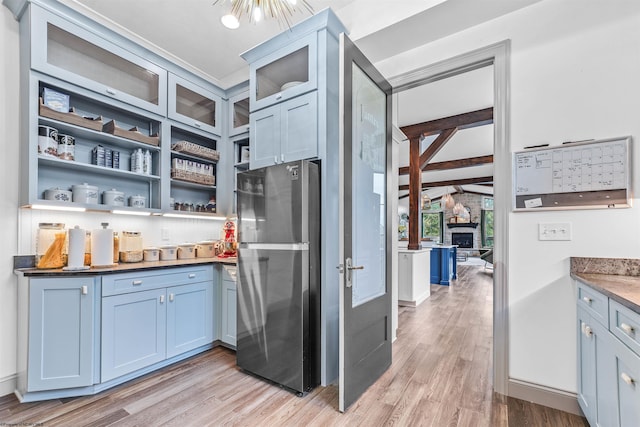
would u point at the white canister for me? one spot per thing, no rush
(47, 141)
(151, 254)
(113, 197)
(205, 249)
(137, 201)
(168, 253)
(186, 251)
(85, 193)
(57, 194)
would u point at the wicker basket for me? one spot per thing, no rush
(197, 178)
(187, 147)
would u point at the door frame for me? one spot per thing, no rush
(498, 55)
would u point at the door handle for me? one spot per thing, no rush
(630, 330)
(349, 267)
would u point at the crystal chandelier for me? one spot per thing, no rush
(458, 208)
(281, 10)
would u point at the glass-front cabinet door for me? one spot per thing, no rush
(193, 105)
(239, 114)
(284, 74)
(73, 54)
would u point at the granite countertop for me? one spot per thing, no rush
(617, 278)
(125, 267)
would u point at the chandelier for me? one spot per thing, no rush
(281, 10)
(425, 202)
(458, 209)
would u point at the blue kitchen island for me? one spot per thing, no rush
(443, 264)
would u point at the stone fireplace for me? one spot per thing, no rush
(464, 240)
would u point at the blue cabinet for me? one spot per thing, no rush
(444, 264)
(62, 49)
(145, 320)
(60, 333)
(228, 324)
(608, 368)
(285, 132)
(133, 332)
(194, 105)
(190, 322)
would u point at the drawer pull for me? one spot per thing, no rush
(279, 96)
(84, 290)
(170, 297)
(196, 124)
(630, 330)
(161, 299)
(587, 300)
(136, 282)
(627, 379)
(111, 92)
(192, 275)
(588, 332)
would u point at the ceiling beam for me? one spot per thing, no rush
(452, 164)
(460, 121)
(464, 181)
(435, 146)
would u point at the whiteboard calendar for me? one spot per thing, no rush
(587, 174)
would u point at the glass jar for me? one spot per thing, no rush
(50, 241)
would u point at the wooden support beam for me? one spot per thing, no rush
(415, 180)
(436, 146)
(464, 181)
(452, 164)
(460, 121)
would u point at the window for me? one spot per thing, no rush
(432, 221)
(487, 222)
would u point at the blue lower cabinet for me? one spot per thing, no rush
(189, 317)
(627, 388)
(61, 319)
(133, 332)
(444, 264)
(228, 325)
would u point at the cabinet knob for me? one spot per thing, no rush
(192, 275)
(275, 159)
(627, 379)
(136, 282)
(110, 91)
(161, 299)
(84, 290)
(587, 300)
(171, 296)
(630, 330)
(196, 124)
(279, 96)
(588, 332)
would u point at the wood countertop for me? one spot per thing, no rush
(124, 267)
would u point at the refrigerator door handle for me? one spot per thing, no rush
(303, 246)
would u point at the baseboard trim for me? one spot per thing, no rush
(545, 396)
(8, 385)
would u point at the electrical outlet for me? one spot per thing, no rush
(554, 231)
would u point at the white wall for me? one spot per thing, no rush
(8, 196)
(19, 227)
(574, 75)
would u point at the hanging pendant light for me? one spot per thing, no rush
(458, 208)
(256, 10)
(448, 201)
(425, 202)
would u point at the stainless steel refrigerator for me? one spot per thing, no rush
(278, 298)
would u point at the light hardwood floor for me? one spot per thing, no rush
(440, 376)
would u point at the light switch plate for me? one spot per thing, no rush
(554, 231)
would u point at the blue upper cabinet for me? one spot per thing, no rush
(293, 87)
(72, 53)
(285, 73)
(238, 110)
(194, 105)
